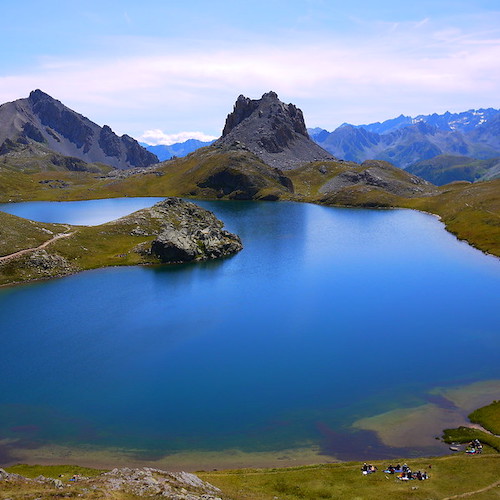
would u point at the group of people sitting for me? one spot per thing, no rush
(405, 473)
(368, 468)
(474, 447)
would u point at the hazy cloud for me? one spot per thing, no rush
(157, 136)
(404, 67)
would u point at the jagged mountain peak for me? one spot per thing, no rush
(37, 95)
(271, 129)
(269, 106)
(44, 122)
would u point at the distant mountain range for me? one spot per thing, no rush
(40, 126)
(179, 149)
(439, 148)
(40, 133)
(405, 141)
(444, 169)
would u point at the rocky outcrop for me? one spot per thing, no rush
(144, 482)
(272, 130)
(190, 233)
(381, 175)
(149, 482)
(50, 126)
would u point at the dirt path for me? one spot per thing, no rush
(43, 245)
(471, 493)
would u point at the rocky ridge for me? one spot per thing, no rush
(272, 130)
(380, 175)
(40, 124)
(143, 482)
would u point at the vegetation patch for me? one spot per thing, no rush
(488, 417)
(53, 471)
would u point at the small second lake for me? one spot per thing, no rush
(326, 318)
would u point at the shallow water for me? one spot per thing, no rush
(327, 316)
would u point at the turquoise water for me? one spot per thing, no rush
(327, 315)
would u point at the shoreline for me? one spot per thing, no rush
(35, 280)
(398, 431)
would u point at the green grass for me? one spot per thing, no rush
(53, 471)
(450, 475)
(17, 233)
(488, 417)
(110, 244)
(467, 434)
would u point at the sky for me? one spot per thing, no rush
(165, 71)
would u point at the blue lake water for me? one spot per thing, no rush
(327, 315)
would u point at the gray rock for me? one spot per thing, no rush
(190, 233)
(57, 483)
(272, 130)
(148, 482)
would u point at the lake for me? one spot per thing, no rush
(334, 334)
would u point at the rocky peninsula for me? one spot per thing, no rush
(172, 231)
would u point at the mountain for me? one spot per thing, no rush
(464, 121)
(39, 125)
(405, 141)
(443, 169)
(272, 130)
(388, 125)
(179, 149)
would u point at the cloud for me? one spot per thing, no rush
(157, 136)
(412, 67)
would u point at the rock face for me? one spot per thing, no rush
(149, 482)
(46, 124)
(190, 233)
(272, 130)
(381, 175)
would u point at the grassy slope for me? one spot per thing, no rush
(109, 244)
(179, 177)
(17, 233)
(182, 176)
(450, 475)
(470, 211)
(488, 417)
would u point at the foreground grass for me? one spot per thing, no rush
(450, 475)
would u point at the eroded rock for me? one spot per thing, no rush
(190, 233)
